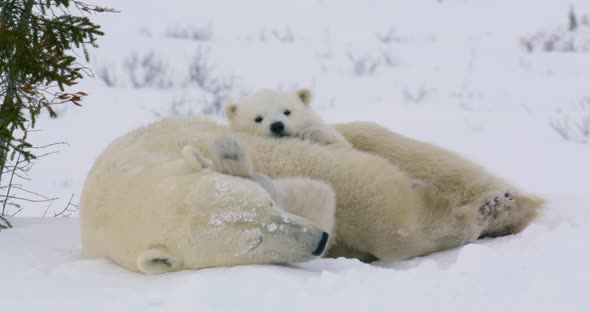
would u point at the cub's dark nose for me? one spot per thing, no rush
(322, 245)
(277, 128)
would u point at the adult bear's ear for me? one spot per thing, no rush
(305, 96)
(231, 110)
(157, 260)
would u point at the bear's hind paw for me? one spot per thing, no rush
(495, 207)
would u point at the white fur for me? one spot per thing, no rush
(312, 199)
(396, 197)
(150, 204)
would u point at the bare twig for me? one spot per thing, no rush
(10, 184)
(20, 170)
(66, 212)
(48, 145)
(93, 8)
(47, 209)
(31, 200)
(20, 188)
(16, 212)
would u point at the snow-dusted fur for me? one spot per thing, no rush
(152, 204)
(312, 199)
(281, 114)
(396, 197)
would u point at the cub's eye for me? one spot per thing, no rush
(258, 119)
(287, 112)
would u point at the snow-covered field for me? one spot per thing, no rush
(460, 74)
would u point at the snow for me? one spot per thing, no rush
(451, 72)
(541, 269)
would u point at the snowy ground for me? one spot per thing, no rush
(542, 269)
(455, 73)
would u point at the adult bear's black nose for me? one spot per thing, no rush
(277, 128)
(322, 245)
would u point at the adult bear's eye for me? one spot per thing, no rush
(258, 119)
(287, 112)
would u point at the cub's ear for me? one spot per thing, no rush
(231, 110)
(305, 96)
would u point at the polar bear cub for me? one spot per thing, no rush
(314, 200)
(281, 114)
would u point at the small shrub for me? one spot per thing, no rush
(575, 37)
(202, 33)
(364, 65)
(218, 89)
(574, 124)
(147, 71)
(284, 35)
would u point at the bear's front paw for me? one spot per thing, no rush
(323, 135)
(230, 156)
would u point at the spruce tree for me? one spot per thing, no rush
(38, 41)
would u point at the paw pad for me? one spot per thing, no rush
(495, 206)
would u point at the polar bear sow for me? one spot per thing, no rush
(153, 209)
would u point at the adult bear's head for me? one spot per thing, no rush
(230, 221)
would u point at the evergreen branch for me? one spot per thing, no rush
(37, 40)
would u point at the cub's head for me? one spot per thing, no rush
(273, 113)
